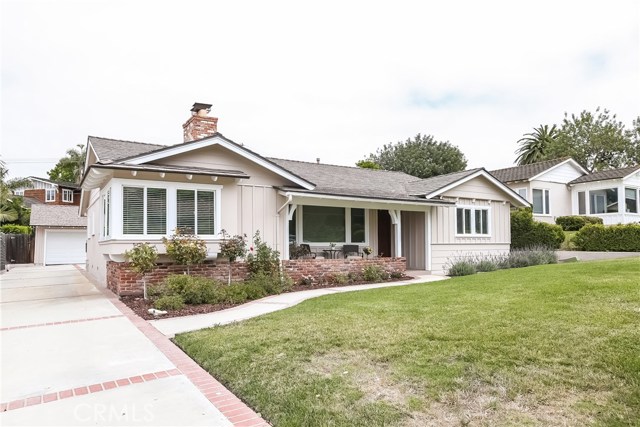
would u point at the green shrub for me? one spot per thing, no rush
(262, 259)
(519, 258)
(185, 249)
(169, 302)
(373, 273)
(396, 274)
(485, 265)
(611, 238)
(339, 279)
(576, 222)
(193, 289)
(525, 232)
(461, 268)
(15, 229)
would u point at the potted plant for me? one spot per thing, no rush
(368, 250)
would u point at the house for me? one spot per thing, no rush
(562, 187)
(133, 192)
(50, 192)
(60, 234)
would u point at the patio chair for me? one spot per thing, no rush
(306, 251)
(350, 249)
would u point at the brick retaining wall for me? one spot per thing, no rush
(121, 280)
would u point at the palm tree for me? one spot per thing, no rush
(12, 208)
(534, 145)
(70, 167)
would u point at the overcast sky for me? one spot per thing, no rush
(301, 80)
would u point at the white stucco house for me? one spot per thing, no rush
(134, 192)
(562, 187)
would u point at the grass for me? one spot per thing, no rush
(545, 345)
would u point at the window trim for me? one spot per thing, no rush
(526, 192)
(106, 215)
(545, 208)
(473, 209)
(347, 230)
(636, 192)
(46, 195)
(65, 194)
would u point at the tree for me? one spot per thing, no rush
(534, 145)
(142, 258)
(367, 164)
(422, 156)
(70, 167)
(12, 208)
(633, 134)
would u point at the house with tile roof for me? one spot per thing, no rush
(563, 187)
(134, 192)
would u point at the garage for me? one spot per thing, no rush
(61, 235)
(64, 247)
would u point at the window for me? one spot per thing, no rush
(540, 201)
(603, 201)
(196, 211)
(18, 192)
(631, 200)
(582, 207)
(326, 224)
(473, 221)
(106, 214)
(522, 192)
(144, 210)
(50, 195)
(67, 195)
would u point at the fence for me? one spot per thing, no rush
(17, 249)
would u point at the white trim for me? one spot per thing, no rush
(631, 174)
(359, 199)
(299, 212)
(473, 209)
(569, 160)
(46, 195)
(544, 202)
(217, 140)
(428, 262)
(487, 175)
(526, 190)
(66, 191)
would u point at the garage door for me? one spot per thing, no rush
(65, 247)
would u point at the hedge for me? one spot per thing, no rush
(15, 229)
(611, 238)
(576, 222)
(527, 233)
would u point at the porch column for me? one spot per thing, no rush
(396, 220)
(427, 228)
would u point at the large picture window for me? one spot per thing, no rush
(540, 201)
(327, 224)
(472, 221)
(603, 201)
(144, 210)
(196, 211)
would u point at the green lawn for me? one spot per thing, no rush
(546, 345)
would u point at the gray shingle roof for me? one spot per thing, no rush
(111, 150)
(609, 174)
(56, 216)
(429, 185)
(520, 173)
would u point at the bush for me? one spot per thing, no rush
(374, 273)
(193, 289)
(461, 268)
(613, 238)
(485, 265)
(525, 232)
(576, 222)
(532, 256)
(186, 249)
(15, 229)
(234, 247)
(339, 279)
(272, 284)
(169, 302)
(262, 259)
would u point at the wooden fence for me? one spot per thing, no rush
(17, 248)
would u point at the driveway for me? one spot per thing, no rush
(74, 355)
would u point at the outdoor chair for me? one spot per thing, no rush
(350, 249)
(306, 251)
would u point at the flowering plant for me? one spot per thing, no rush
(368, 250)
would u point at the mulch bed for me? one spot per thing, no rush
(141, 307)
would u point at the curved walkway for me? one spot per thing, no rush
(176, 325)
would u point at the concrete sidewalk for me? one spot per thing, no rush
(73, 354)
(176, 325)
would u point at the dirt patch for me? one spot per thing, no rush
(299, 287)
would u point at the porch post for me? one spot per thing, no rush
(396, 220)
(427, 228)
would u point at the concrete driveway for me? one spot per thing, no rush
(71, 355)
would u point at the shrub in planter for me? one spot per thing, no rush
(186, 249)
(525, 232)
(614, 238)
(576, 222)
(373, 273)
(192, 289)
(142, 259)
(262, 259)
(232, 248)
(169, 302)
(461, 268)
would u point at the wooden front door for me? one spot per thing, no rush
(384, 233)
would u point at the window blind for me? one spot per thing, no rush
(156, 211)
(132, 210)
(206, 210)
(186, 211)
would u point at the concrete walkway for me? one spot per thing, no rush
(72, 354)
(592, 256)
(176, 325)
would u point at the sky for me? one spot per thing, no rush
(334, 80)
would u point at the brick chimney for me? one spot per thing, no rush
(200, 124)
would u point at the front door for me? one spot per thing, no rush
(384, 233)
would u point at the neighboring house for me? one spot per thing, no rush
(134, 192)
(61, 235)
(562, 187)
(50, 192)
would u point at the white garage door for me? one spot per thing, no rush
(65, 247)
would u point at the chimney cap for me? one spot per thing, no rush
(197, 106)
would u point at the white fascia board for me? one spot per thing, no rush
(86, 157)
(575, 164)
(299, 198)
(631, 174)
(216, 140)
(487, 175)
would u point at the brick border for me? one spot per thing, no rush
(234, 409)
(64, 322)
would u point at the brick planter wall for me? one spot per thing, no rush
(321, 270)
(123, 281)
